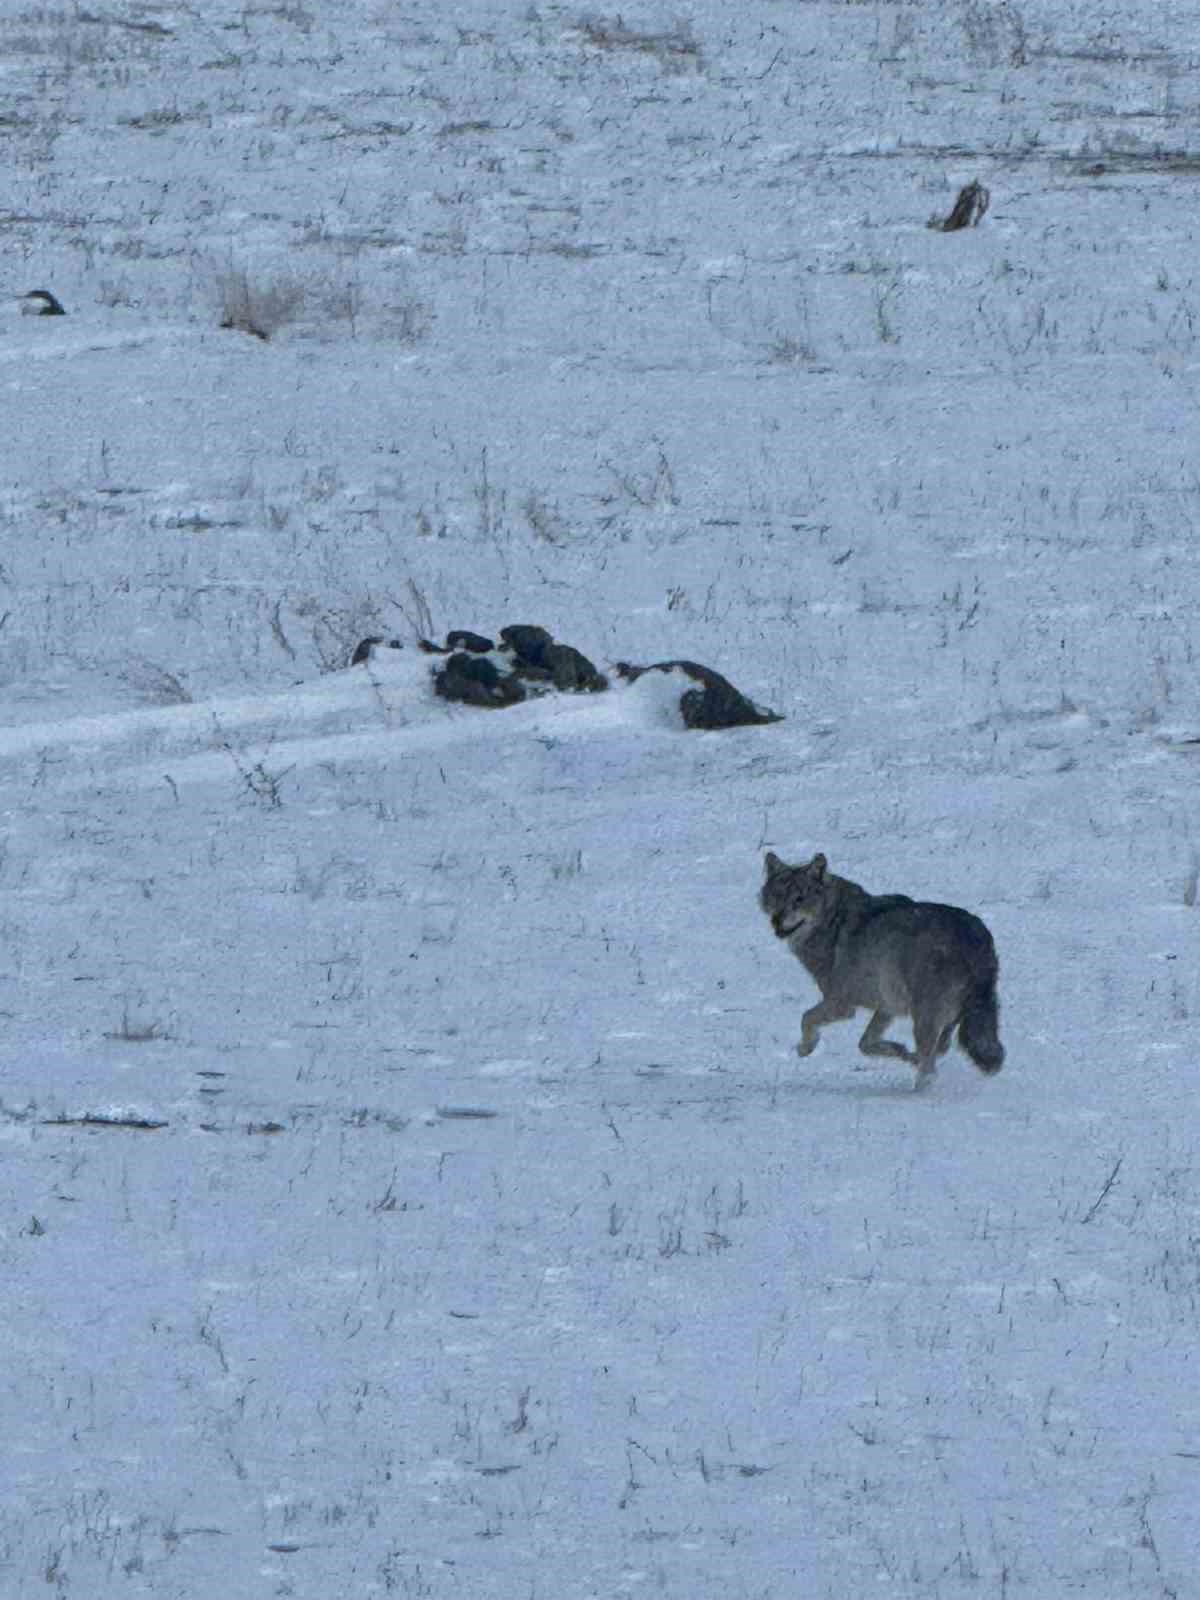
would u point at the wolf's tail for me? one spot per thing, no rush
(977, 1028)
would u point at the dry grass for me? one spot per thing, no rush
(259, 309)
(675, 49)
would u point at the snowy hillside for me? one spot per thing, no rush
(408, 1184)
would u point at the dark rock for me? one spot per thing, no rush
(715, 703)
(537, 656)
(44, 304)
(457, 639)
(571, 670)
(476, 681)
(363, 649)
(526, 642)
(464, 639)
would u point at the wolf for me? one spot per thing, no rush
(936, 964)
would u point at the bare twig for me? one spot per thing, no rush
(1103, 1195)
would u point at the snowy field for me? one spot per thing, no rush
(408, 1184)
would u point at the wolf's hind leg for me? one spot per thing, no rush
(931, 1040)
(873, 1043)
(815, 1019)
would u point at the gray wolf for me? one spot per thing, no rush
(899, 957)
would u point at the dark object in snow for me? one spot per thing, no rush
(526, 642)
(44, 304)
(972, 202)
(476, 681)
(537, 655)
(457, 639)
(227, 325)
(363, 649)
(89, 1120)
(715, 704)
(570, 669)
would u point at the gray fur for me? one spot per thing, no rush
(902, 958)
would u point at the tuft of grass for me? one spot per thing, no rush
(334, 628)
(885, 326)
(1192, 881)
(416, 609)
(995, 33)
(545, 521)
(261, 784)
(785, 350)
(131, 1031)
(675, 49)
(158, 685)
(259, 309)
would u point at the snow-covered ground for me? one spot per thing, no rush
(407, 1182)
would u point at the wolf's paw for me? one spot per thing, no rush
(806, 1047)
(925, 1076)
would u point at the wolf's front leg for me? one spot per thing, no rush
(815, 1019)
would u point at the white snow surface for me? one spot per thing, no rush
(408, 1184)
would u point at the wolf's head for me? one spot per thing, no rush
(793, 897)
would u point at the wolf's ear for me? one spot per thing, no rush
(773, 864)
(816, 867)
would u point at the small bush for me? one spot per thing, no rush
(258, 309)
